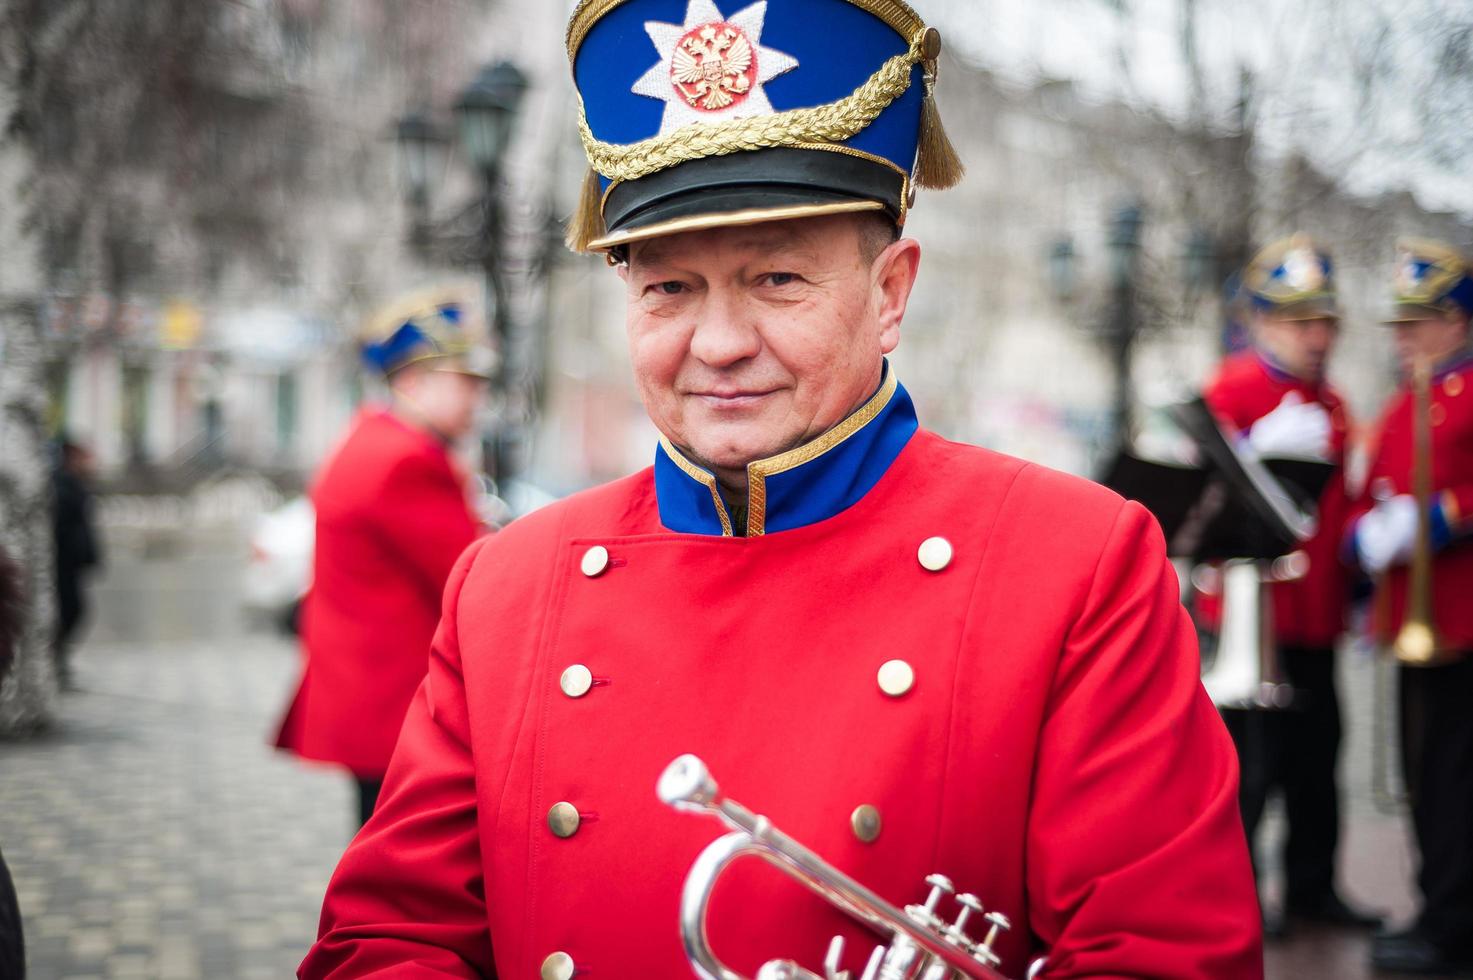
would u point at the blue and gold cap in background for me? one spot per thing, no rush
(702, 113)
(428, 327)
(1293, 279)
(1431, 280)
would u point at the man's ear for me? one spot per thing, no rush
(895, 271)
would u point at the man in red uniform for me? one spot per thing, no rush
(393, 513)
(1276, 394)
(914, 656)
(1434, 297)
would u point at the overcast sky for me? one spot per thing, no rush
(1308, 58)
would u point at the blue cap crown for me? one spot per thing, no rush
(1293, 278)
(1431, 277)
(704, 112)
(424, 327)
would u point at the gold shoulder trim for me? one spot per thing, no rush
(588, 12)
(700, 476)
(759, 470)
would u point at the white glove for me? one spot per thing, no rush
(1384, 536)
(1295, 428)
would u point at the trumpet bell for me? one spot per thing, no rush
(1417, 645)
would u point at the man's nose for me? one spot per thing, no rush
(725, 332)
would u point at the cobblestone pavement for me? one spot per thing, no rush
(153, 833)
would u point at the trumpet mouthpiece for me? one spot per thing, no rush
(686, 784)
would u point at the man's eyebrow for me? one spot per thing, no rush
(788, 243)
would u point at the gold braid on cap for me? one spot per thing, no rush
(937, 165)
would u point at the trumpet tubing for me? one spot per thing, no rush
(920, 944)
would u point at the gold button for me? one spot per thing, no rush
(576, 681)
(595, 560)
(866, 822)
(934, 554)
(563, 819)
(558, 966)
(1453, 385)
(1437, 413)
(896, 677)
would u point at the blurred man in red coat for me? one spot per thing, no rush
(393, 513)
(914, 656)
(1434, 299)
(1277, 395)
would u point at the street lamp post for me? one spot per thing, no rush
(485, 115)
(1124, 246)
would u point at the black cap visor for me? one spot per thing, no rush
(748, 188)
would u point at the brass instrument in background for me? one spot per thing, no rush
(1418, 643)
(1246, 672)
(920, 944)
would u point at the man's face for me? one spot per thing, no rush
(749, 341)
(1301, 346)
(446, 400)
(1431, 340)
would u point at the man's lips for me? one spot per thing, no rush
(732, 397)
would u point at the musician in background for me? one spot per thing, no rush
(914, 656)
(1276, 394)
(393, 513)
(1434, 298)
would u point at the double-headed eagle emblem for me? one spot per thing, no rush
(709, 67)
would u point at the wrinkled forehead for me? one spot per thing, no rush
(814, 240)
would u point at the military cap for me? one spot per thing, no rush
(1293, 279)
(1431, 279)
(702, 113)
(426, 327)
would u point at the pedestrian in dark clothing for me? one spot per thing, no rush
(77, 552)
(12, 944)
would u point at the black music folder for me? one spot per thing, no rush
(1230, 504)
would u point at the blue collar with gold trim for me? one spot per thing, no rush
(802, 486)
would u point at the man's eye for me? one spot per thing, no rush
(780, 278)
(670, 288)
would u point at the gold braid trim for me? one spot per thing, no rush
(831, 123)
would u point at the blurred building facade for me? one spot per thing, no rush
(205, 282)
(216, 228)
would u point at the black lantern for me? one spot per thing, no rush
(486, 111)
(420, 143)
(1125, 243)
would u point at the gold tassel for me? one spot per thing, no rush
(587, 222)
(937, 165)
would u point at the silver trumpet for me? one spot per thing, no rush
(922, 946)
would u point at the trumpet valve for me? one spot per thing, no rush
(983, 952)
(969, 903)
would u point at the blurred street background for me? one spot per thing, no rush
(202, 200)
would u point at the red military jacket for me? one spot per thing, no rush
(1309, 611)
(1452, 478)
(1056, 754)
(392, 517)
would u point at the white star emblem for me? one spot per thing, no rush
(711, 67)
(1302, 269)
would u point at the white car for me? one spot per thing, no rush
(280, 568)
